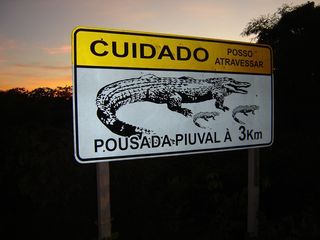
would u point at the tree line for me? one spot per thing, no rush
(46, 194)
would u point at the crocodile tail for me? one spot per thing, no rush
(119, 127)
(238, 120)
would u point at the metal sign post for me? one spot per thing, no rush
(253, 192)
(103, 196)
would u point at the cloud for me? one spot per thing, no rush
(64, 49)
(2, 58)
(207, 10)
(51, 82)
(46, 67)
(7, 46)
(32, 81)
(33, 75)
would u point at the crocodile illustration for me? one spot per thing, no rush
(161, 90)
(244, 109)
(204, 115)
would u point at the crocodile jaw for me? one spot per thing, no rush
(238, 88)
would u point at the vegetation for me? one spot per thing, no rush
(47, 195)
(289, 206)
(44, 189)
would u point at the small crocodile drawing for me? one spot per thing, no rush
(204, 115)
(161, 90)
(245, 109)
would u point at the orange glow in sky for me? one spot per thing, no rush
(35, 35)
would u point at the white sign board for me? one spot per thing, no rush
(138, 95)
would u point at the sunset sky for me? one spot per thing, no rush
(35, 35)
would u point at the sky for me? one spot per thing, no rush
(35, 35)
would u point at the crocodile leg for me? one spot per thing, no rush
(174, 104)
(219, 97)
(219, 104)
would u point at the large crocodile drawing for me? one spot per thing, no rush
(162, 90)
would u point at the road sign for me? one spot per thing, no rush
(139, 95)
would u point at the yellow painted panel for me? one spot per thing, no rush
(127, 49)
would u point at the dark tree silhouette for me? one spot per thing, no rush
(43, 189)
(293, 33)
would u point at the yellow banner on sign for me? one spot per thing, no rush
(125, 49)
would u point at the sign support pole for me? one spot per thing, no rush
(103, 197)
(253, 192)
